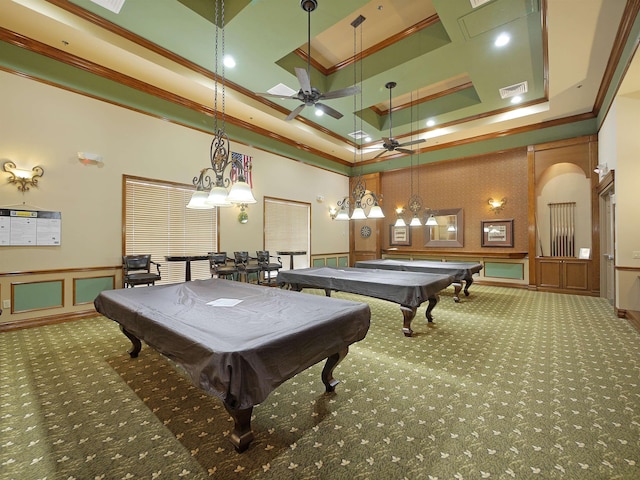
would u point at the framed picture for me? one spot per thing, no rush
(497, 233)
(399, 235)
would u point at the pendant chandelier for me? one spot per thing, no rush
(361, 198)
(212, 184)
(415, 200)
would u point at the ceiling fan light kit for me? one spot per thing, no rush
(389, 143)
(307, 94)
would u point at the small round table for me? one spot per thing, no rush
(187, 259)
(291, 254)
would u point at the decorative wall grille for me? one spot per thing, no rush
(563, 229)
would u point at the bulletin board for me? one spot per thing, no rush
(29, 228)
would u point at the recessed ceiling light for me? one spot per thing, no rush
(516, 99)
(502, 40)
(319, 112)
(431, 122)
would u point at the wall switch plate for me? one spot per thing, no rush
(6, 304)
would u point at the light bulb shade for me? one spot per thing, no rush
(451, 228)
(218, 197)
(431, 221)
(415, 221)
(400, 222)
(343, 214)
(376, 212)
(199, 201)
(241, 193)
(358, 214)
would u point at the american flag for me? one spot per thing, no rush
(245, 162)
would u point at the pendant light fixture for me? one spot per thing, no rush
(361, 198)
(213, 182)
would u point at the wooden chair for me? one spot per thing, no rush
(246, 266)
(220, 267)
(137, 270)
(267, 266)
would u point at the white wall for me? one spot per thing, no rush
(47, 126)
(619, 146)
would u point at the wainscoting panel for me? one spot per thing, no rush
(85, 290)
(513, 271)
(37, 295)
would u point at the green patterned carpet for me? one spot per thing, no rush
(506, 384)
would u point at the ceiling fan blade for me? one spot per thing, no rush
(273, 95)
(329, 111)
(381, 153)
(404, 150)
(412, 142)
(295, 113)
(344, 92)
(303, 78)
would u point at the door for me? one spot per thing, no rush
(607, 245)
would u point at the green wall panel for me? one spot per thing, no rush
(504, 270)
(87, 289)
(332, 262)
(37, 295)
(343, 261)
(318, 262)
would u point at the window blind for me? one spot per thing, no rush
(287, 227)
(158, 222)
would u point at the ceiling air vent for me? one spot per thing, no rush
(281, 89)
(113, 5)
(358, 135)
(513, 90)
(478, 3)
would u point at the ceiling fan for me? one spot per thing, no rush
(389, 143)
(308, 95)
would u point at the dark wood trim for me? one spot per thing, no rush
(50, 320)
(485, 137)
(59, 270)
(532, 218)
(456, 253)
(326, 71)
(606, 182)
(633, 317)
(93, 68)
(621, 268)
(419, 101)
(629, 15)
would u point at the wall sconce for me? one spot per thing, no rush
(23, 178)
(400, 219)
(496, 205)
(342, 213)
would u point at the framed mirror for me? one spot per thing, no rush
(449, 231)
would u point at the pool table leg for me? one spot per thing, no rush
(242, 435)
(432, 304)
(327, 372)
(456, 294)
(467, 284)
(135, 341)
(408, 313)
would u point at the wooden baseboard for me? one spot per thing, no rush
(50, 320)
(634, 318)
